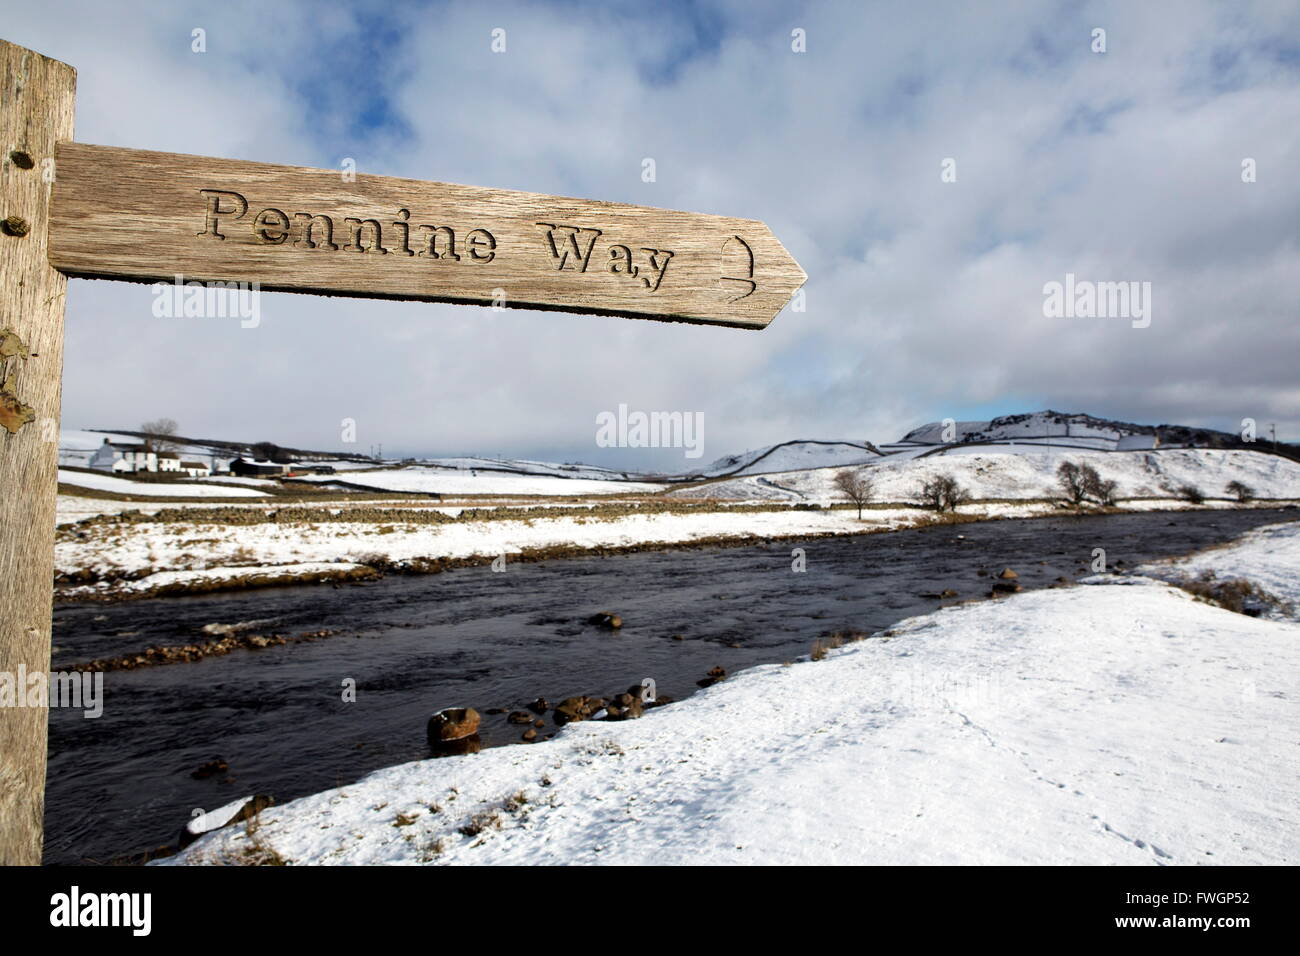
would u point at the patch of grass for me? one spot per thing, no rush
(431, 850)
(1234, 594)
(253, 853)
(822, 646)
(481, 822)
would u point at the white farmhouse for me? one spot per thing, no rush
(120, 457)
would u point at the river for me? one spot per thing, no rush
(121, 784)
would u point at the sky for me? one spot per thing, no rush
(932, 166)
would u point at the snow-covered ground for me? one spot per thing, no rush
(1118, 723)
(1266, 556)
(1030, 475)
(154, 489)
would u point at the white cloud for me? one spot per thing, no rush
(924, 298)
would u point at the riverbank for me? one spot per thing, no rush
(1123, 722)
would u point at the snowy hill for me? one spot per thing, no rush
(1028, 473)
(1033, 433)
(1070, 428)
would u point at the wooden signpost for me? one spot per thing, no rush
(143, 216)
(71, 209)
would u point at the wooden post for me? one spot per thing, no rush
(36, 107)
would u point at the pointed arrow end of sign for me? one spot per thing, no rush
(787, 277)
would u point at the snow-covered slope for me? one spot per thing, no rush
(1095, 725)
(791, 456)
(1031, 474)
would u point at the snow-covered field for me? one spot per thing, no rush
(1118, 723)
(472, 481)
(156, 489)
(1031, 475)
(202, 550)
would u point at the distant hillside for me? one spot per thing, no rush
(1087, 431)
(793, 455)
(1023, 432)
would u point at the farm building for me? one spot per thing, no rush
(257, 469)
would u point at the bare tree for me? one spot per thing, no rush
(857, 486)
(159, 434)
(943, 493)
(1071, 479)
(1095, 487)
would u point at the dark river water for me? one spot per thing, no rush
(121, 784)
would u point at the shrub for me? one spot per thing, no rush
(1191, 493)
(1242, 492)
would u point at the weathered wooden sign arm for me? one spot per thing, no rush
(71, 209)
(149, 217)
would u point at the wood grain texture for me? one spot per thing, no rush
(148, 216)
(36, 107)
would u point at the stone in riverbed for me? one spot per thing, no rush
(211, 769)
(624, 707)
(573, 709)
(452, 724)
(714, 675)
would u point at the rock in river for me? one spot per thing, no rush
(453, 724)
